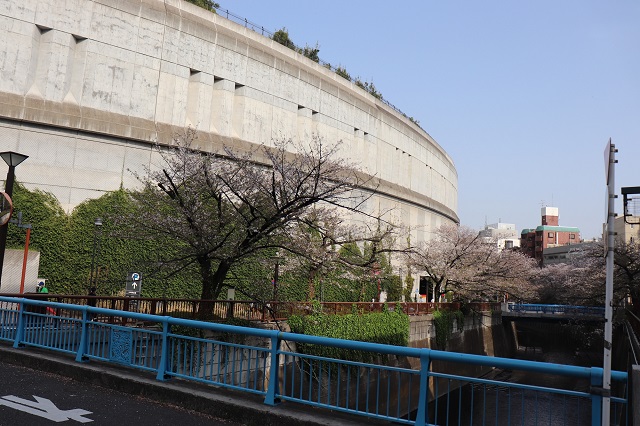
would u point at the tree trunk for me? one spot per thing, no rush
(312, 288)
(211, 286)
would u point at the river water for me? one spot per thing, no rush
(485, 404)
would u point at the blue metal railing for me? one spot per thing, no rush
(404, 385)
(556, 309)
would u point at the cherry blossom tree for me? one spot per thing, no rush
(219, 209)
(456, 258)
(325, 247)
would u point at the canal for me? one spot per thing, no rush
(495, 404)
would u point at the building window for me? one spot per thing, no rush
(550, 235)
(508, 244)
(572, 236)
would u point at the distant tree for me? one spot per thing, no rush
(368, 87)
(627, 268)
(342, 72)
(457, 259)
(311, 52)
(282, 36)
(206, 4)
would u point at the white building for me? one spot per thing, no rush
(504, 235)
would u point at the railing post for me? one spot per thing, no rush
(164, 354)
(84, 341)
(20, 326)
(274, 377)
(423, 398)
(596, 396)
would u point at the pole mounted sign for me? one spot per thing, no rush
(134, 284)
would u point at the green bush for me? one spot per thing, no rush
(388, 327)
(443, 321)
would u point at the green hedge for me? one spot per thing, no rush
(388, 327)
(66, 245)
(443, 321)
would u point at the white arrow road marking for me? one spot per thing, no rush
(45, 408)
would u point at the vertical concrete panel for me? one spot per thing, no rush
(21, 10)
(144, 92)
(69, 16)
(18, 39)
(9, 137)
(199, 98)
(150, 38)
(284, 120)
(239, 105)
(114, 27)
(304, 130)
(76, 75)
(222, 104)
(44, 148)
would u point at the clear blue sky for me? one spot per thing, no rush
(523, 95)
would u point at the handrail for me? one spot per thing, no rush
(27, 322)
(247, 309)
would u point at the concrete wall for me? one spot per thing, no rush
(88, 85)
(12, 271)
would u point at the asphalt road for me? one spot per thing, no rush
(34, 398)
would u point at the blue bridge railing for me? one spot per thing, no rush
(556, 309)
(400, 384)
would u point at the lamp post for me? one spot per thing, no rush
(96, 249)
(12, 159)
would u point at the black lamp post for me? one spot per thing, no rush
(12, 159)
(96, 249)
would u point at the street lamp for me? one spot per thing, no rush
(96, 249)
(12, 159)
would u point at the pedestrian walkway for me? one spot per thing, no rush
(237, 407)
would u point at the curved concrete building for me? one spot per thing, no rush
(88, 85)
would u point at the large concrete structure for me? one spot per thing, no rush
(88, 86)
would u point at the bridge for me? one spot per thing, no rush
(561, 313)
(264, 363)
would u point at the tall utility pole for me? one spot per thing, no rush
(610, 161)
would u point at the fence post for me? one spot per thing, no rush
(596, 396)
(20, 325)
(274, 377)
(82, 348)
(164, 354)
(423, 398)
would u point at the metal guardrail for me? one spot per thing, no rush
(264, 363)
(245, 309)
(556, 309)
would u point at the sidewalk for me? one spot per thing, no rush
(235, 406)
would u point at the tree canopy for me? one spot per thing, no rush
(457, 259)
(219, 209)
